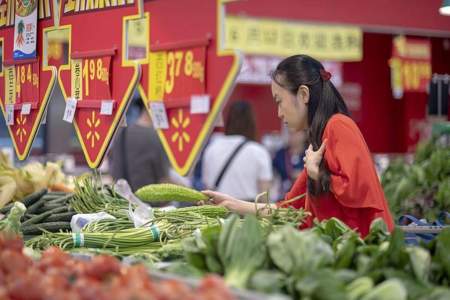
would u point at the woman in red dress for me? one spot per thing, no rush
(339, 178)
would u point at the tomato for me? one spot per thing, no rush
(13, 242)
(89, 289)
(53, 257)
(102, 266)
(13, 262)
(212, 287)
(26, 286)
(173, 290)
(3, 293)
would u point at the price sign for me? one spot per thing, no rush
(200, 104)
(177, 73)
(190, 72)
(10, 114)
(26, 109)
(159, 115)
(27, 82)
(69, 112)
(107, 107)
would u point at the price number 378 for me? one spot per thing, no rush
(177, 62)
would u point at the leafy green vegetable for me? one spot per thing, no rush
(321, 285)
(420, 261)
(359, 287)
(423, 187)
(266, 281)
(378, 232)
(299, 252)
(11, 225)
(442, 251)
(242, 249)
(391, 289)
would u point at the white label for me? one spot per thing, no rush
(69, 112)
(9, 114)
(26, 109)
(107, 107)
(200, 104)
(159, 115)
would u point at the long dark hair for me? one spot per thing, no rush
(324, 102)
(241, 120)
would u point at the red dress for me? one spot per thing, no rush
(356, 196)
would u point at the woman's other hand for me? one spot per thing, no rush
(312, 160)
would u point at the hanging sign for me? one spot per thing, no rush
(25, 84)
(282, 38)
(187, 72)
(96, 71)
(410, 65)
(25, 29)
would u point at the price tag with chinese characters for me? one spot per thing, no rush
(159, 115)
(69, 112)
(107, 107)
(26, 109)
(9, 114)
(200, 104)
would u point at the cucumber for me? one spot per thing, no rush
(51, 198)
(29, 216)
(32, 198)
(62, 217)
(59, 194)
(49, 226)
(35, 206)
(64, 199)
(4, 210)
(46, 208)
(50, 206)
(43, 216)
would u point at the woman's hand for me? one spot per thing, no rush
(222, 199)
(236, 205)
(312, 160)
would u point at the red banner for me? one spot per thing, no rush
(96, 74)
(25, 85)
(186, 78)
(410, 65)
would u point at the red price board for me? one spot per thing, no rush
(96, 73)
(186, 78)
(25, 85)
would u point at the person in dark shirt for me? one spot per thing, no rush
(137, 154)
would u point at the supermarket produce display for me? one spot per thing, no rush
(422, 188)
(255, 255)
(71, 236)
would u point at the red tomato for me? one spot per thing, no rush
(212, 287)
(102, 266)
(13, 262)
(53, 257)
(26, 286)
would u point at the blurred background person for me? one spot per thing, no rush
(136, 153)
(288, 161)
(235, 163)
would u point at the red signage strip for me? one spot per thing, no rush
(186, 78)
(97, 71)
(25, 85)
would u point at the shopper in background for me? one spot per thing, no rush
(339, 178)
(235, 163)
(288, 161)
(137, 154)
